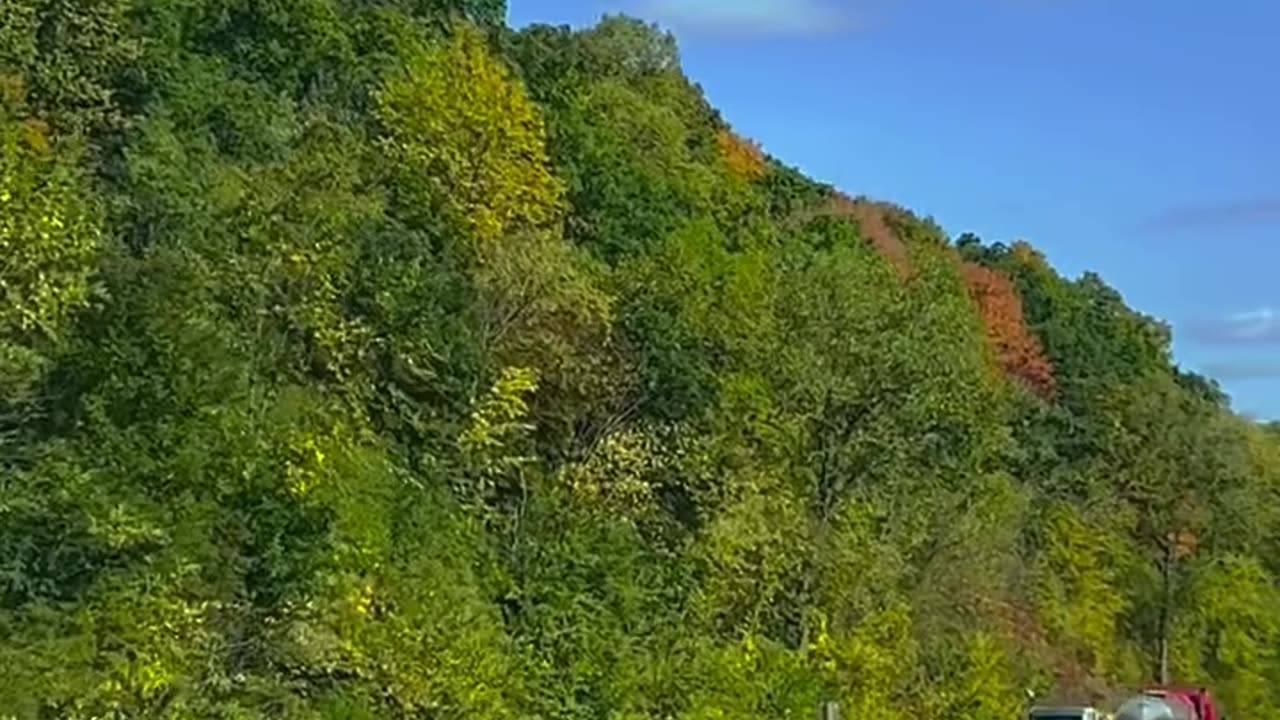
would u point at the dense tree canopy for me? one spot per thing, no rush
(372, 359)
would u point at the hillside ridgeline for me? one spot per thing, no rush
(375, 360)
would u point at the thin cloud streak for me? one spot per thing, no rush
(1195, 218)
(754, 17)
(1256, 327)
(1242, 371)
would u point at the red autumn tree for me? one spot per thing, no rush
(873, 218)
(1016, 349)
(873, 221)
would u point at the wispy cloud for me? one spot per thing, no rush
(754, 17)
(1240, 371)
(1255, 327)
(1261, 211)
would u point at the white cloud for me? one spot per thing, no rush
(1252, 327)
(1260, 324)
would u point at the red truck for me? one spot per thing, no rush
(1155, 703)
(1180, 703)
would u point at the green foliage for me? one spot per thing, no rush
(71, 56)
(557, 62)
(483, 12)
(631, 174)
(1231, 632)
(443, 370)
(50, 237)
(467, 148)
(1080, 591)
(981, 685)
(1093, 340)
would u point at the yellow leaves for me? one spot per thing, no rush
(1077, 595)
(361, 598)
(159, 632)
(983, 689)
(304, 467)
(469, 142)
(468, 148)
(1232, 619)
(152, 676)
(309, 463)
(13, 89)
(743, 158)
(35, 135)
(867, 661)
(494, 429)
(499, 414)
(824, 648)
(1024, 253)
(49, 240)
(120, 528)
(745, 659)
(618, 475)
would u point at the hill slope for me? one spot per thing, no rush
(371, 359)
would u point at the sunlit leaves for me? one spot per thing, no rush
(1079, 589)
(468, 146)
(743, 157)
(981, 683)
(619, 474)
(1230, 630)
(499, 414)
(467, 143)
(50, 237)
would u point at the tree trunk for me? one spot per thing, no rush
(1166, 610)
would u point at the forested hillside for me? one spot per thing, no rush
(371, 359)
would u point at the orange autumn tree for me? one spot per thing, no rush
(744, 158)
(1017, 350)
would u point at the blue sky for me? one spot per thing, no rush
(1136, 138)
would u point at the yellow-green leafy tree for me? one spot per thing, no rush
(49, 241)
(468, 147)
